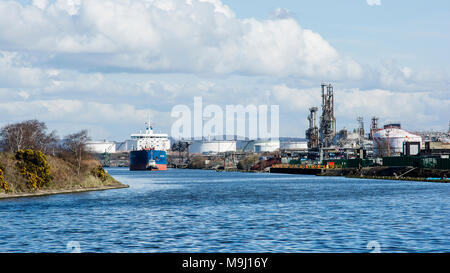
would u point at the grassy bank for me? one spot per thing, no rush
(64, 177)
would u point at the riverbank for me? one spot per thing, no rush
(53, 192)
(48, 175)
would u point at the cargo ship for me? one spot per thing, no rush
(151, 151)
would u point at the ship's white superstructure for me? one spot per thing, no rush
(150, 140)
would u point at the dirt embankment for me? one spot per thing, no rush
(64, 178)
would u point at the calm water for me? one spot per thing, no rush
(206, 211)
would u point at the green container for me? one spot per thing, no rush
(414, 161)
(430, 163)
(443, 163)
(350, 163)
(401, 161)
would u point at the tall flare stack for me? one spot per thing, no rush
(312, 134)
(327, 129)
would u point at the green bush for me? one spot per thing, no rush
(3, 184)
(34, 167)
(248, 162)
(100, 173)
(197, 163)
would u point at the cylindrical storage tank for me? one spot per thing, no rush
(101, 147)
(215, 146)
(294, 146)
(389, 141)
(267, 146)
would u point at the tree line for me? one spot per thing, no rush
(34, 135)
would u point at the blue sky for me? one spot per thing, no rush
(105, 65)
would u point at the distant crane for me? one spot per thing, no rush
(181, 147)
(106, 157)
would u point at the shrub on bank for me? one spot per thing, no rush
(3, 183)
(34, 167)
(100, 173)
(197, 163)
(248, 162)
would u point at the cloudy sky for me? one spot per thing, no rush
(106, 65)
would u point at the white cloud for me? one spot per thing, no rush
(296, 99)
(393, 76)
(14, 72)
(168, 36)
(56, 63)
(23, 94)
(42, 4)
(281, 13)
(63, 114)
(374, 2)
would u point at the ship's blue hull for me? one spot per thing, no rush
(140, 160)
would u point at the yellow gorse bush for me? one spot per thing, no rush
(100, 173)
(3, 184)
(34, 167)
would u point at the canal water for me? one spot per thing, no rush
(208, 211)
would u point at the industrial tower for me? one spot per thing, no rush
(373, 127)
(312, 134)
(360, 126)
(327, 129)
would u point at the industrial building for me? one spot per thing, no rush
(391, 140)
(312, 134)
(322, 136)
(437, 148)
(327, 129)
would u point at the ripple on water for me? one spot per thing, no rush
(206, 211)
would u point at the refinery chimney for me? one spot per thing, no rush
(327, 129)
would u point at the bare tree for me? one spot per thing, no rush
(76, 145)
(30, 134)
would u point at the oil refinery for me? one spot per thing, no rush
(324, 147)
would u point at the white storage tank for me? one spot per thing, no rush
(101, 147)
(294, 145)
(263, 146)
(213, 146)
(389, 141)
